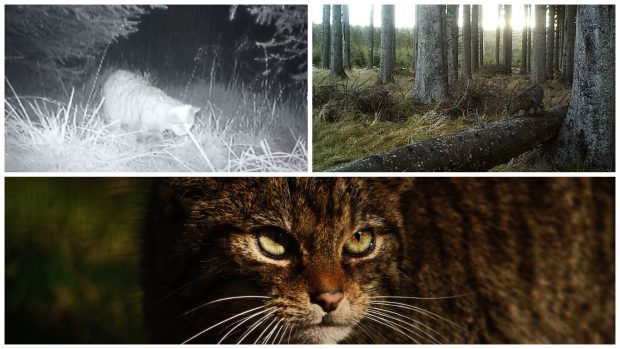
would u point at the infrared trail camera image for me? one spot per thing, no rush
(156, 88)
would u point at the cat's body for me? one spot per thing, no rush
(132, 101)
(491, 260)
(526, 101)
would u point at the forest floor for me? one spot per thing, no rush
(356, 118)
(236, 130)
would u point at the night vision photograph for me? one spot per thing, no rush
(156, 88)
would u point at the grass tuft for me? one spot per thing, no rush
(237, 131)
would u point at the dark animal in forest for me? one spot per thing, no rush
(530, 99)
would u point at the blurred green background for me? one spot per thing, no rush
(71, 260)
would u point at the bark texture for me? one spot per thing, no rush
(587, 136)
(477, 149)
(430, 76)
(386, 69)
(497, 35)
(467, 41)
(326, 42)
(570, 12)
(475, 59)
(523, 68)
(452, 34)
(550, 41)
(346, 36)
(538, 46)
(336, 67)
(371, 39)
(508, 39)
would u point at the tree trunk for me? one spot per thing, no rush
(587, 135)
(444, 44)
(523, 69)
(430, 76)
(477, 149)
(452, 34)
(550, 37)
(481, 30)
(508, 39)
(325, 43)
(346, 35)
(415, 38)
(394, 44)
(466, 41)
(337, 70)
(529, 38)
(371, 39)
(569, 43)
(559, 10)
(497, 35)
(474, 38)
(386, 68)
(538, 46)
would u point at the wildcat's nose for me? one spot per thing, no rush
(327, 300)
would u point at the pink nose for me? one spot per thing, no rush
(328, 300)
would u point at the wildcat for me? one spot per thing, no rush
(380, 260)
(526, 101)
(134, 102)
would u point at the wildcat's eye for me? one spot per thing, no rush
(361, 243)
(274, 243)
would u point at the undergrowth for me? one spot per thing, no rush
(237, 130)
(355, 118)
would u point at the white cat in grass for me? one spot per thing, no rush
(133, 102)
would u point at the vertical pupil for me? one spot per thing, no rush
(358, 236)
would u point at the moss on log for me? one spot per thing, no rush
(477, 149)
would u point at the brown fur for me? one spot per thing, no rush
(526, 101)
(527, 260)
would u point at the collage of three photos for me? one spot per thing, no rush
(311, 173)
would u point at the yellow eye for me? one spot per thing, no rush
(274, 243)
(362, 242)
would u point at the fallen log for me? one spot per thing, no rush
(477, 149)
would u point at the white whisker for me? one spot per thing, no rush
(425, 298)
(410, 319)
(289, 334)
(241, 323)
(386, 323)
(222, 300)
(264, 330)
(272, 331)
(385, 315)
(282, 335)
(223, 321)
(417, 309)
(256, 324)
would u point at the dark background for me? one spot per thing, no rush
(172, 43)
(71, 260)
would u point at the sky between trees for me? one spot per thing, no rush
(359, 14)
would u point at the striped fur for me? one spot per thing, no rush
(526, 101)
(132, 101)
(522, 260)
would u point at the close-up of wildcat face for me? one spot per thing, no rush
(297, 270)
(336, 260)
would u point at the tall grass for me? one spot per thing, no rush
(237, 130)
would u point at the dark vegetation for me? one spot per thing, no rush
(71, 260)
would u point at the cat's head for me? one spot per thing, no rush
(182, 118)
(269, 259)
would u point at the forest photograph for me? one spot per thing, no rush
(463, 88)
(137, 88)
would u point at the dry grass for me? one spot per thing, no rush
(344, 130)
